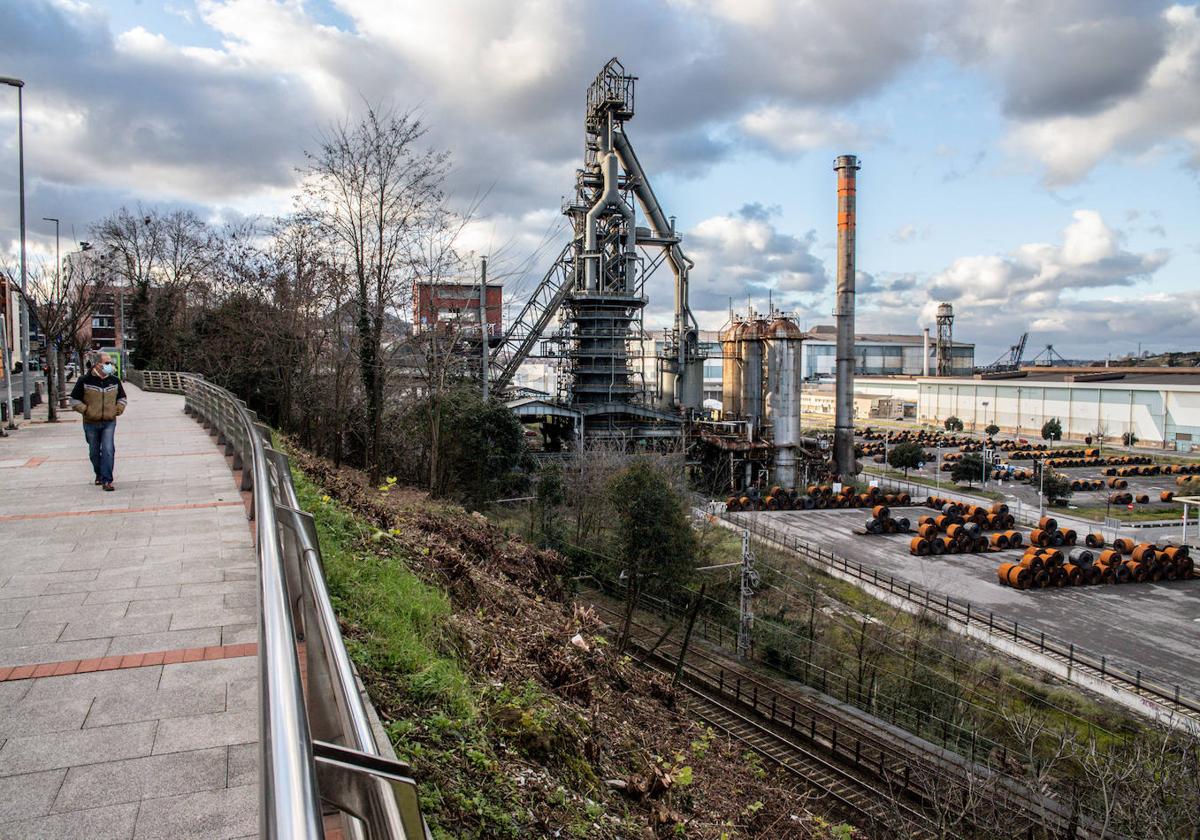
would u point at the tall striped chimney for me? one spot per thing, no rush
(847, 168)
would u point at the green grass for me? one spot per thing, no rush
(1140, 513)
(393, 622)
(947, 485)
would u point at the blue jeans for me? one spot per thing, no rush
(101, 448)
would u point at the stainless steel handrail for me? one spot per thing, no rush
(320, 754)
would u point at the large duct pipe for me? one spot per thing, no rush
(690, 367)
(925, 353)
(846, 167)
(609, 198)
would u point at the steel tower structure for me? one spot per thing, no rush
(597, 284)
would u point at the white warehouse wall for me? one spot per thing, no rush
(1162, 414)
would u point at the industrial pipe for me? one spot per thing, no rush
(609, 198)
(690, 365)
(925, 353)
(847, 168)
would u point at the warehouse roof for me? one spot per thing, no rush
(828, 332)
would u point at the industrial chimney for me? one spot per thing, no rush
(846, 167)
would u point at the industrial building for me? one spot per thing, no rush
(875, 354)
(454, 304)
(1161, 406)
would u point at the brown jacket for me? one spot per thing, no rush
(98, 398)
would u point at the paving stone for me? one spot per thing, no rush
(171, 605)
(33, 634)
(242, 694)
(11, 692)
(115, 822)
(135, 705)
(191, 619)
(65, 614)
(108, 627)
(208, 814)
(44, 714)
(172, 640)
(192, 675)
(53, 652)
(70, 749)
(134, 779)
(239, 634)
(196, 732)
(95, 684)
(133, 593)
(243, 764)
(28, 795)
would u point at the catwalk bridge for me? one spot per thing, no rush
(170, 664)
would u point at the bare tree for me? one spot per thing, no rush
(370, 188)
(166, 259)
(62, 303)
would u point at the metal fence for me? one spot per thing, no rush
(963, 612)
(318, 753)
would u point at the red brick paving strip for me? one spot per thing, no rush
(8, 673)
(20, 517)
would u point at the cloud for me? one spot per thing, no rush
(910, 233)
(1090, 256)
(1063, 293)
(1082, 80)
(744, 255)
(787, 131)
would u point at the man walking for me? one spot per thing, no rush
(99, 397)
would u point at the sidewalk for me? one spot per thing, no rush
(128, 674)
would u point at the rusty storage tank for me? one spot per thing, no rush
(752, 355)
(783, 339)
(731, 369)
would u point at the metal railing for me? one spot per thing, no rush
(318, 753)
(1171, 697)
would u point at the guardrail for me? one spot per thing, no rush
(1170, 697)
(319, 755)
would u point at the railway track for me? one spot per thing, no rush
(870, 772)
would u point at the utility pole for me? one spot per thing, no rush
(24, 328)
(483, 326)
(745, 610)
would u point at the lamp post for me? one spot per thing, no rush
(24, 338)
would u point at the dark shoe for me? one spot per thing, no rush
(109, 486)
(98, 481)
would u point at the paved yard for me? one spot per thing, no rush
(128, 675)
(1151, 626)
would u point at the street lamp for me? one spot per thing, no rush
(20, 86)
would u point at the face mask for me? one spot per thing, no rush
(108, 369)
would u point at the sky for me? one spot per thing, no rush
(1035, 163)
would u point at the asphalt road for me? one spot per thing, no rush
(1151, 626)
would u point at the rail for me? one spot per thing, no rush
(1170, 697)
(318, 755)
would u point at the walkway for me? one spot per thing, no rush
(128, 675)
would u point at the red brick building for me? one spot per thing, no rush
(456, 304)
